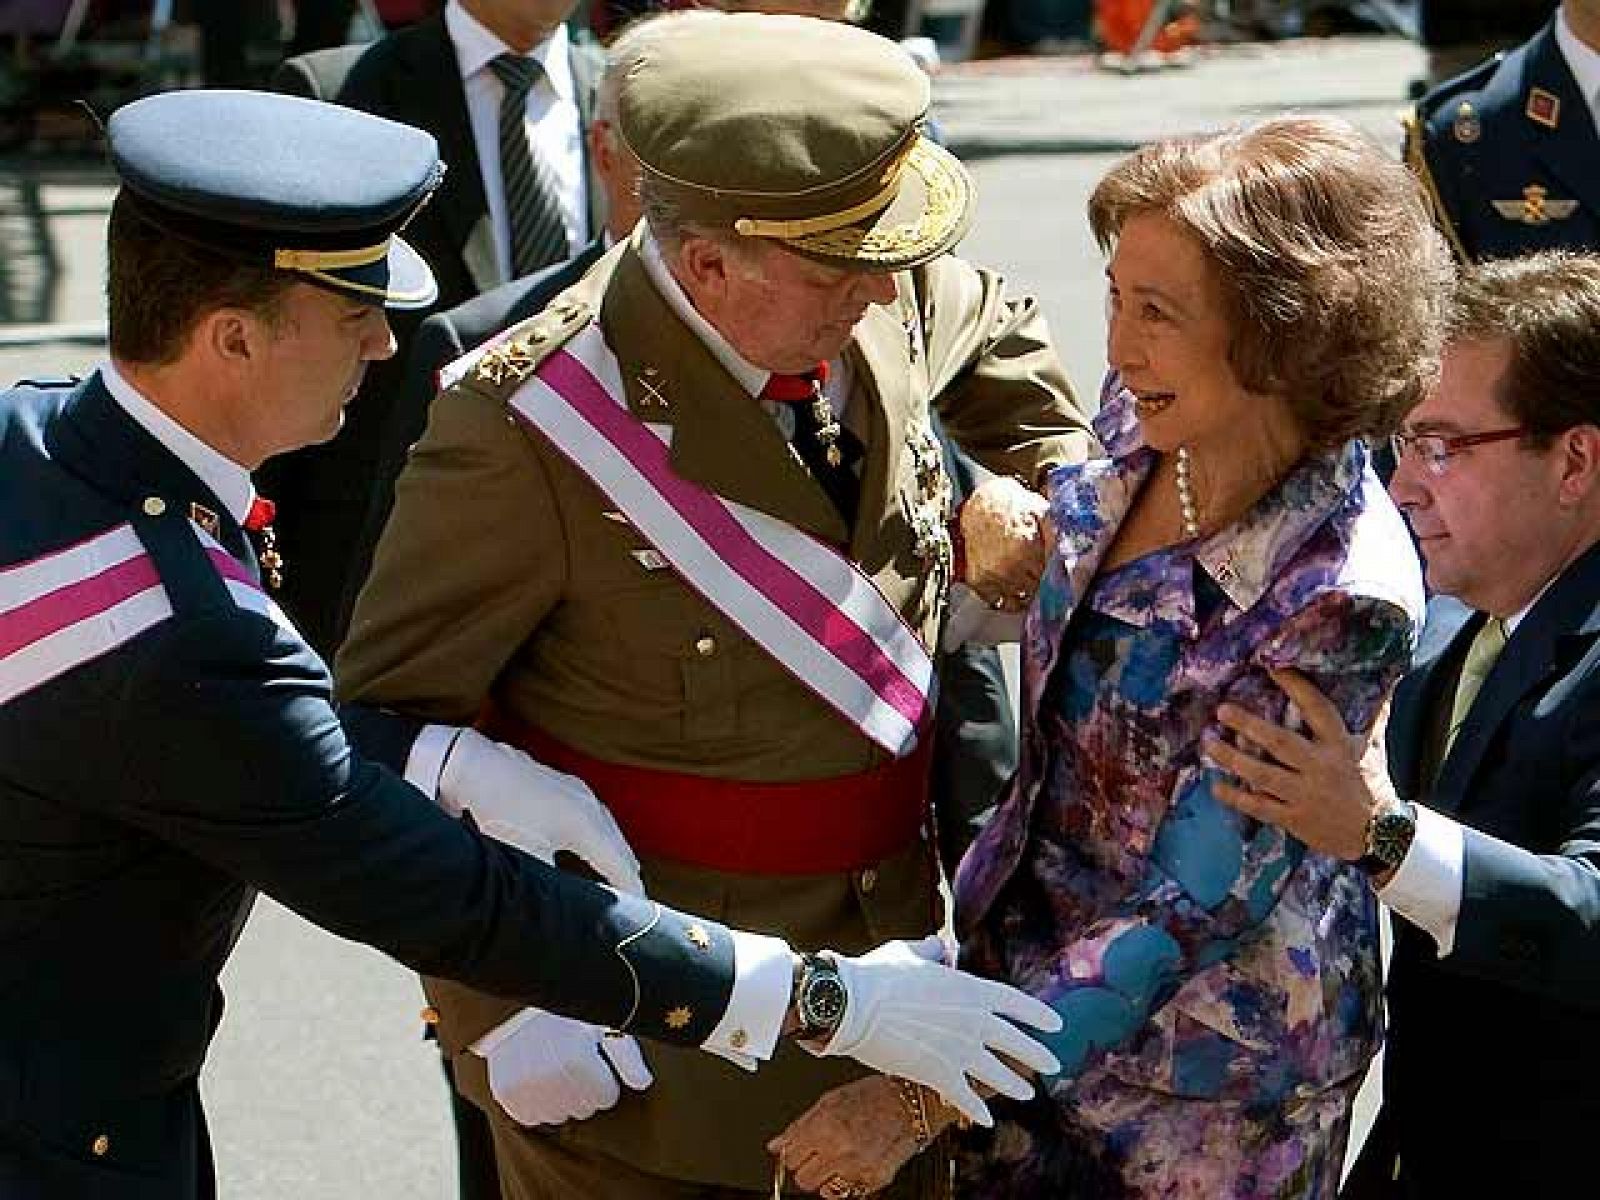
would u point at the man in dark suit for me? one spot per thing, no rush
(167, 741)
(1486, 846)
(442, 75)
(1509, 150)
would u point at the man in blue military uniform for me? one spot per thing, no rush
(167, 744)
(1509, 151)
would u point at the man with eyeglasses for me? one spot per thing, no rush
(1483, 837)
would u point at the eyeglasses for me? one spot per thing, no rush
(1433, 450)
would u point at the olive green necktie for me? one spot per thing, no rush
(1481, 656)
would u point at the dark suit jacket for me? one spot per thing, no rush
(1480, 163)
(152, 780)
(324, 492)
(1492, 1075)
(443, 338)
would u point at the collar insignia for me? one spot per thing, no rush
(1544, 108)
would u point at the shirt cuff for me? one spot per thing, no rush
(426, 761)
(763, 980)
(1426, 887)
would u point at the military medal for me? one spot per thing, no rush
(827, 426)
(1544, 108)
(259, 522)
(1467, 128)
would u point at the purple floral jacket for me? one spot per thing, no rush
(1193, 952)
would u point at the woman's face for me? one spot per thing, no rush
(1168, 336)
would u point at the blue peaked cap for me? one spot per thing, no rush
(278, 181)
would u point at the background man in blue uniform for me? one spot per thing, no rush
(1509, 151)
(167, 743)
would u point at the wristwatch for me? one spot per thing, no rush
(819, 997)
(1390, 831)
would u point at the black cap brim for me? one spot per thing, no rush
(400, 279)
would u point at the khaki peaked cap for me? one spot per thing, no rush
(804, 131)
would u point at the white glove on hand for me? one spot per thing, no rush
(534, 808)
(545, 1069)
(911, 1016)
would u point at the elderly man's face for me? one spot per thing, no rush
(780, 311)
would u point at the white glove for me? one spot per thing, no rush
(534, 808)
(909, 1015)
(545, 1069)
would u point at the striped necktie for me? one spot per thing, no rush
(533, 203)
(1480, 660)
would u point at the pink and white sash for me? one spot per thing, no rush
(808, 607)
(69, 607)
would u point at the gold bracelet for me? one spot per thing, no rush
(916, 1109)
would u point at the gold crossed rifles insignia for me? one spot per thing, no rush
(1537, 207)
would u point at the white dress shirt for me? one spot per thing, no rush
(1583, 60)
(555, 126)
(1426, 888)
(228, 481)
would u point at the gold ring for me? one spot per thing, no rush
(837, 1187)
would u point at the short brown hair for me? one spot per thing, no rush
(159, 286)
(1335, 277)
(1547, 308)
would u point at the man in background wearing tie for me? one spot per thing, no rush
(508, 93)
(1486, 845)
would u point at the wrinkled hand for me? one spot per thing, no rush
(528, 805)
(1322, 786)
(909, 1015)
(859, 1131)
(1002, 524)
(545, 1069)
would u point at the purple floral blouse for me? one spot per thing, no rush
(1219, 983)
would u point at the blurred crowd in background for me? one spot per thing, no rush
(55, 53)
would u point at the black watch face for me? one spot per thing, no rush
(1391, 836)
(822, 1000)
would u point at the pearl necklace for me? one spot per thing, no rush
(1187, 509)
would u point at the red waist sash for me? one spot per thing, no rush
(814, 827)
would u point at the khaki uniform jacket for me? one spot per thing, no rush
(500, 575)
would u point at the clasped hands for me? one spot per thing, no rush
(907, 1014)
(1003, 526)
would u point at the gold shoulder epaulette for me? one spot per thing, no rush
(1417, 160)
(519, 355)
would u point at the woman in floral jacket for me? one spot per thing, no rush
(1275, 294)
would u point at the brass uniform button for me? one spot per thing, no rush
(705, 646)
(867, 880)
(154, 506)
(101, 1146)
(430, 1015)
(679, 1018)
(738, 1039)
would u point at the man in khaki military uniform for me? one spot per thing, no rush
(794, 216)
